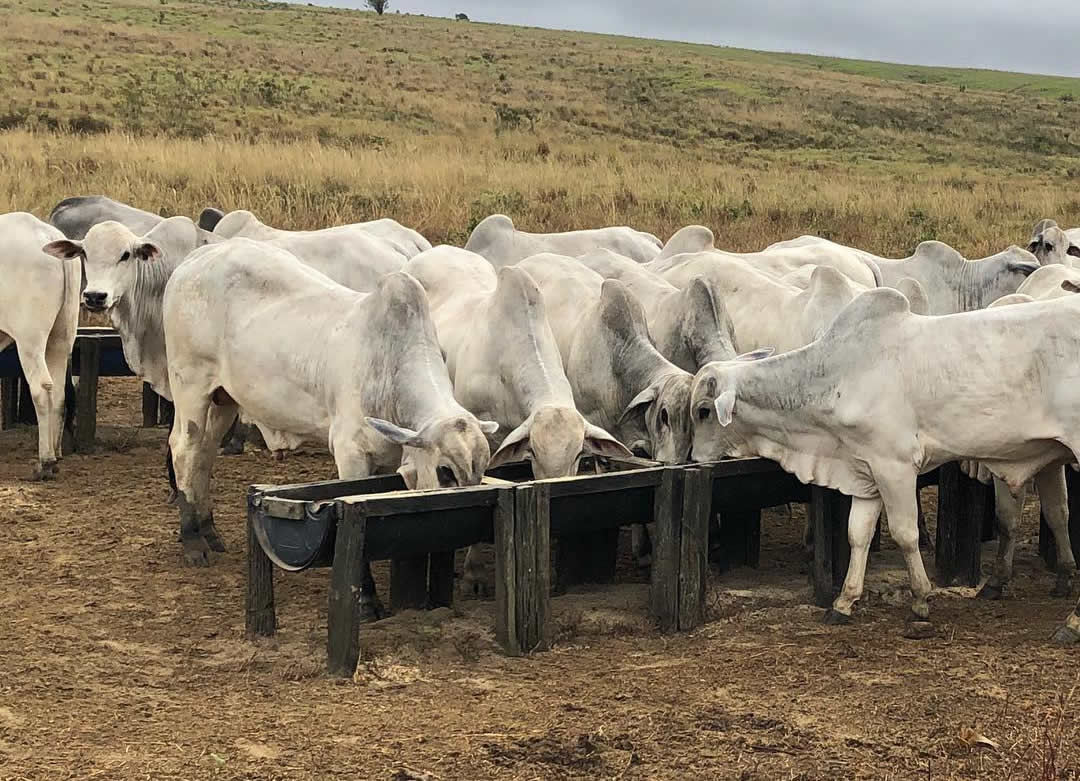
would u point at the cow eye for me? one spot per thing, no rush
(125, 256)
(703, 413)
(446, 477)
(663, 416)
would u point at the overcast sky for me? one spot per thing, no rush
(1034, 36)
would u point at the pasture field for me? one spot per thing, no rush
(118, 663)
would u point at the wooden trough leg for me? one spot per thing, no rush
(408, 583)
(27, 416)
(342, 618)
(962, 507)
(261, 618)
(694, 546)
(523, 568)
(9, 401)
(440, 580)
(86, 395)
(828, 512)
(149, 406)
(667, 550)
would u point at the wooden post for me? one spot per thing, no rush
(149, 406)
(440, 579)
(9, 401)
(828, 511)
(409, 583)
(667, 550)
(587, 558)
(523, 568)
(694, 546)
(962, 506)
(86, 416)
(738, 543)
(261, 618)
(27, 414)
(346, 577)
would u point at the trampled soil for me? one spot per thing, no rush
(118, 662)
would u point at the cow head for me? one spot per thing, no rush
(109, 252)
(555, 439)
(445, 453)
(1050, 244)
(662, 411)
(712, 405)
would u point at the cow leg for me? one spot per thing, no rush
(232, 444)
(1007, 509)
(1053, 495)
(56, 360)
(41, 386)
(862, 523)
(353, 465)
(898, 493)
(192, 473)
(641, 544)
(218, 420)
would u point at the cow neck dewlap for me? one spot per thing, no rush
(138, 318)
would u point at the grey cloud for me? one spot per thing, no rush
(1041, 37)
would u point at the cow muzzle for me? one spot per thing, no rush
(94, 300)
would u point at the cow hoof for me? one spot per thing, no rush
(474, 587)
(196, 553)
(990, 591)
(47, 470)
(279, 455)
(213, 540)
(370, 610)
(1062, 587)
(918, 629)
(835, 618)
(1065, 635)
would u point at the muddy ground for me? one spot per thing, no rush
(118, 662)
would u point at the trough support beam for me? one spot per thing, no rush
(9, 401)
(86, 395)
(962, 506)
(666, 551)
(346, 578)
(149, 406)
(409, 583)
(694, 547)
(261, 617)
(829, 511)
(441, 579)
(523, 568)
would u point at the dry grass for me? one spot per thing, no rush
(313, 116)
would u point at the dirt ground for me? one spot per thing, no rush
(118, 662)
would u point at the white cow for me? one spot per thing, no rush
(504, 362)
(885, 395)
(497, 239)
(76, 216)
(692, 238)
(39, 313)
(690, 326)
(1051, 245)
(244, 224)
(951, 283)
(619, 379)
(765, 311)
(911, 288)
(251, 326)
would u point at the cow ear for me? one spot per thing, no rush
(725, 407)
(1024, 267)
(1073, 250)
(600, 443)
(489, 427)
(399, 435)
(756, 355)
(514, 447)
(209, 218)
(148, 250)
(1070, 286)
(65, 249)
(638, 403)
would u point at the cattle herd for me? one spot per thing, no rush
(853, 371)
